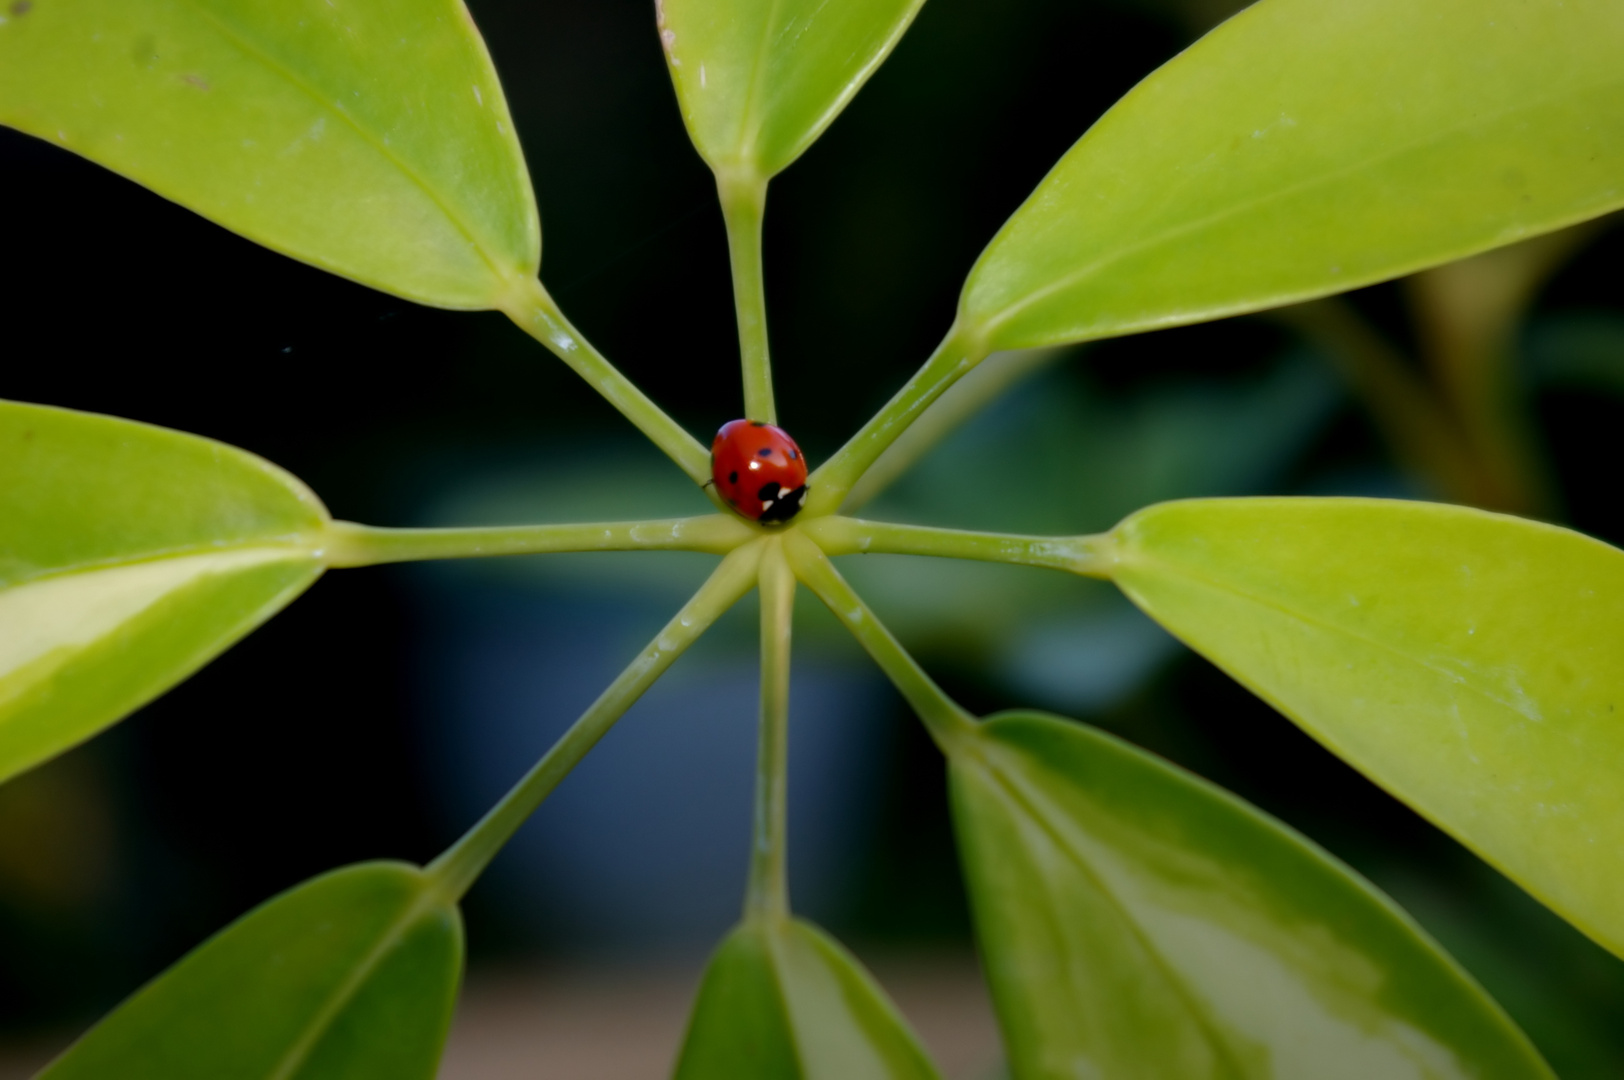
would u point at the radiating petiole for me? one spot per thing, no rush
(537, 315)
(959, 352)
(1091, 556)
(744, 204)
(767, 895)
(947, 723)
(346, 544)
(458, 867)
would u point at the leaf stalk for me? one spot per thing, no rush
(461, 864)
(530, 306)
(962, 349)
(1092, 555)
(950, 726)
(767, 895)
(346, 544)
(744, 206)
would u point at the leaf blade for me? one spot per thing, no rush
(132, 556)
(758, 83)
(783, 999)
(1139, 922)
(1466, 661)
(370, 139)
(1307, 147)
(352, 974)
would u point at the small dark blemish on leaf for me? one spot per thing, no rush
(22, 7)
(197, 81)
(28, 436)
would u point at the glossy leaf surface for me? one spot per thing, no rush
(129, 556)
(758, 82)
(1470, 663)
(1136, 921)
(783, 1001)
(368, 137)
(350, 976)
(1305, 147)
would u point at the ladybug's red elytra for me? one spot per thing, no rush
(758, 470)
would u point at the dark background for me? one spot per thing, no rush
(304, 747)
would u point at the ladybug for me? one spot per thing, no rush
(759, 470)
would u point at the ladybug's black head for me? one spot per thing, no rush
(779, 505)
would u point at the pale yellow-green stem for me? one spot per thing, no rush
(1091, 556)
(744, 205)
(961, 350)
(456, 869)
(536, 314)
(948, 724)
(346, 544)
(768, 892)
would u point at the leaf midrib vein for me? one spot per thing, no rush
(1066, 281)
(1181, 990)
(749, 131)
(248, 48)
(299, 1052)
(1452, 677)
(292, 542)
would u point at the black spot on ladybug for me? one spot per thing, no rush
(21, 8)
(765, 451)
(794, 455)
(733, 478)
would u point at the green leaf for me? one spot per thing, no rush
(1472, 664)
(129, 557)
(1136, 921)
(1306, 147)
(368, 137)
(349, 976)
(781, 1000)
(758, 82)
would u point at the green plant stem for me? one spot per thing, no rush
(961, 350)
(744, 206)
(987, 381)
(537, 315)
(1422, 434)
(1467, 314)
(768, 893)
(1091, 556)
(949, 725)
(457, 868)
(347, 544)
